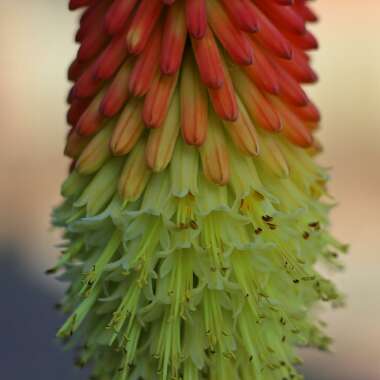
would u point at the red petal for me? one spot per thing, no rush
(196, 18)
(262, 73)
(143, 24)
(270, 37)
(87, 85)
(173, 39)
(158, 99)
(194, 104)
(234, 40)
(294, 129)
(284, 17)
(118, 14)
(224, 99)
(112, 57)
(91, 120)
(146, 66)
(243, 14)
(117, 93)
(257, 105)
(208, 59)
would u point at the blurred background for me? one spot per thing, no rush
(36, 47)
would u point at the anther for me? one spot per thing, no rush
(193, 225)
(259, 195)
(314, 225)
(51, 271)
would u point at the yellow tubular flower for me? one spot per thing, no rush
(194, 213)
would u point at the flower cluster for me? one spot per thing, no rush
(194, 213)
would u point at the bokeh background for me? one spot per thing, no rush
(36, 46)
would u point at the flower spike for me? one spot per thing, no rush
(194, 214)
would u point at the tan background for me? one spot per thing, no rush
(36, 46)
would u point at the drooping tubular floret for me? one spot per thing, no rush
(194, 213)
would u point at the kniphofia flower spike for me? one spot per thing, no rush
(194, 214)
